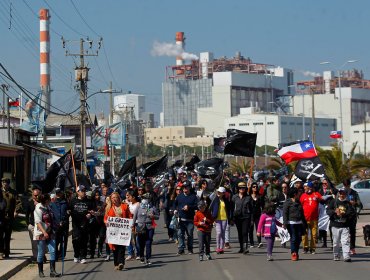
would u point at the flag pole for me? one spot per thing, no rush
(251, 169)
(74, 168)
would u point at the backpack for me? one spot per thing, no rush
(273, 228)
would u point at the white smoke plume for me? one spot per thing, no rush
(171, 49)
(310, 73)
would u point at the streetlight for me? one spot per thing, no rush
(340, 98)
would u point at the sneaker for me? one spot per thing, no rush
(137, 258)
(227, 245)
(107, 258)
(83, 261)
(170, 239)
(177, 241)
(352, 252)
(269, 258)
(294, 257)
(190, 252)
(259, 245)
(121, 266)
(241, 251)
(142, 260)
(209, 258)
(148, 262)
(200, 258)
(312, 251)
(347, 260)
(180, 252)
(305, 250)
(336, 258)
(251, 246)
(76, 260)
(218, 251)
(129, 258)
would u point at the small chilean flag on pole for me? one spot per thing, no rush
(336, 134)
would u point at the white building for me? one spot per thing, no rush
(130, 100)
(358, 135)
(273, 129)
(355, 106)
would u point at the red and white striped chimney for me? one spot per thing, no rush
(45, 57)
(180, 41)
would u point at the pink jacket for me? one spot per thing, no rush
(264, 225)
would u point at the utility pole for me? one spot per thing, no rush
(313, 117)
(110, 91)
(8, 116)
(82, 77)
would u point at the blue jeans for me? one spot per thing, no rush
(41, 249)
(296, 233)
(145, 242)
(188, 227)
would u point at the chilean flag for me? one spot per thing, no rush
(305, 149)
(336, 134)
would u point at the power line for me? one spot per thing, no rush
(62, 20)
(83, 19)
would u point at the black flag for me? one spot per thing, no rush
(56, 174)
(210, 167)
(219, 144)
(128, 167)
(156, 167)
(310, 169)
(240, 143)
(191, 164)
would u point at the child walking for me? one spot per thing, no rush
(203, 220)
(267, 228)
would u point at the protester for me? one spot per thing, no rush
(243, 211)
(355, 201)
(310, 200)
(92, 226)
(13, 205)
(294, 222)
(81, 210)
(145, 226)
(267, 228)
(167, 206)
(134, 204)
(59, 209)
(257, 205)
(203, 220)
(329, 192)
(44, 233)
(221, 213)
(273, 192)
(99, 211)
(2, 223)
(341, 212)
(118, 209)
(185, 206)
(30, 208)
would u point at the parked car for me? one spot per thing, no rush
(363, 189)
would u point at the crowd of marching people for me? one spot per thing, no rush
(187, 202)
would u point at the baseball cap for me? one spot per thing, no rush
(342, 190)
(58, 190)
(309, 184)
(221, 190)
(242, 184)
(81, 188)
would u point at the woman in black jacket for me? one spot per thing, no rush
(257, 204)
(243, 211)
(294, 221)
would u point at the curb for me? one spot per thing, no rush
(16, 269)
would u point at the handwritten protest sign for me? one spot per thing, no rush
(119, 231)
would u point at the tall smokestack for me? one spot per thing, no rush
(180, 41)
(45, 58)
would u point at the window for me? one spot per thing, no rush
(155, 138)
(160, 137)
(232, 124)
(362, 185)
(174, 137)
(284, 123)
(168, 137)
(356, 131)
(244, 124)
(270, 123)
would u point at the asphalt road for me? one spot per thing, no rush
(231, 265)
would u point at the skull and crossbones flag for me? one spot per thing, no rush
(310, 169)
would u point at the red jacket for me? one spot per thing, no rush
(203, 221)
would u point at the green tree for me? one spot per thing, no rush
(243, 167)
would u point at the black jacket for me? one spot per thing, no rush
(243, 208)
(348, 213)
(293, 211)
(215, 205)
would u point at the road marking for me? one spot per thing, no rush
(228, 274)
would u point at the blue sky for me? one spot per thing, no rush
(288, 33)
